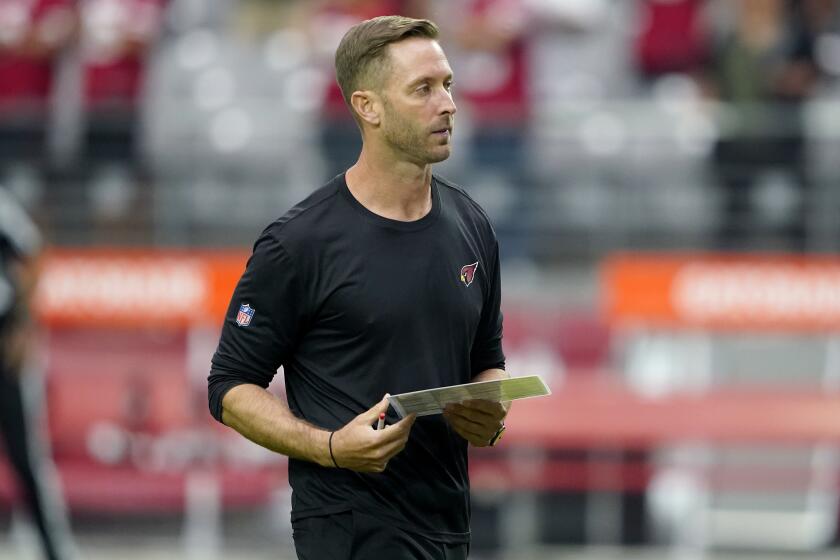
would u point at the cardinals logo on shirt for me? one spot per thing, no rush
(246, 313)
(468, 273)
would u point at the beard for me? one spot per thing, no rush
(411, 139)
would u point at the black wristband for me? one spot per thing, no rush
(497, 436)
(331, 451)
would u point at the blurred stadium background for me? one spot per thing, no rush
(663, 177)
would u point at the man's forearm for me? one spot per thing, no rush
(267, 421)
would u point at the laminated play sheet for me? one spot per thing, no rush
(433, 401)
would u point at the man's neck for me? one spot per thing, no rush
(398, 190)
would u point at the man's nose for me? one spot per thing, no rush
(448, 104)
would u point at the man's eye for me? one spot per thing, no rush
(448, 86)
(422, 89)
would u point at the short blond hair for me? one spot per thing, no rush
(362, 50)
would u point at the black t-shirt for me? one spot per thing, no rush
(353, 306)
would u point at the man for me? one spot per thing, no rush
(19, 245)
(383, 281)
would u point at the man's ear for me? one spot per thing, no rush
(367, 105)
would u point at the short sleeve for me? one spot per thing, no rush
(262, 325)
(487, 351)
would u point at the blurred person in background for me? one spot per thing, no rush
(492, 81)
(673, 37)
(32, 35)
(385, 279)
(491, 39)
(19, 247)
(115, 40)
(326, 22)
(496, 54)
(763, 67)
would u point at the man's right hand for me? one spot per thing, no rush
(359, 447)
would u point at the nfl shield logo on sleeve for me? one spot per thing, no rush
(246, 313)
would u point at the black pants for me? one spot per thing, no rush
(355, 536)
(17, 439)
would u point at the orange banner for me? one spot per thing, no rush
(722, 292)
(135, 288)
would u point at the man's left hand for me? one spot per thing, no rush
(476, 421)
